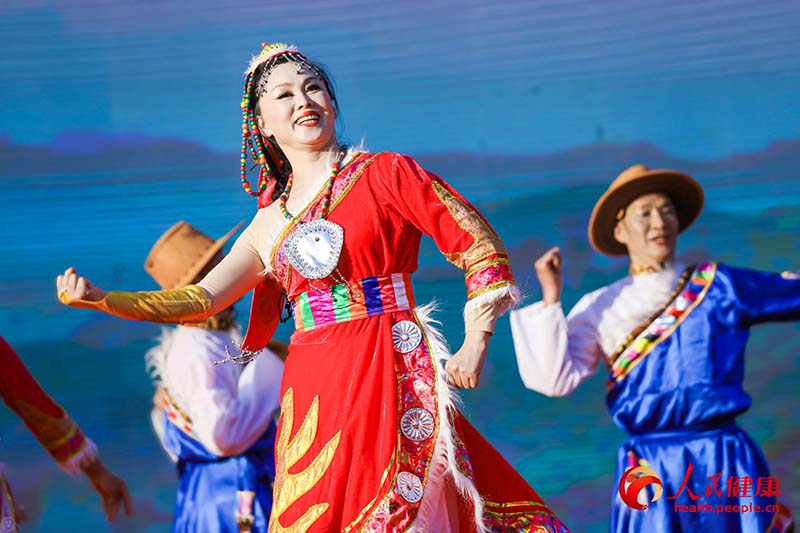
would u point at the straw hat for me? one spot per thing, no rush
(684, 191)
(181, 253)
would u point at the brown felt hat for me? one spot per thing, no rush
(684, 191)
(181, 253)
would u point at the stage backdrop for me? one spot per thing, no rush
(121, 117)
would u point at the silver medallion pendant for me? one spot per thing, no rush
(314, 248)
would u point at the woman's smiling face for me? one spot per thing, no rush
(297, 109)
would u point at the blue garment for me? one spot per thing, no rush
(679, 405)
(206, 500)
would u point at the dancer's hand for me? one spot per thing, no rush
(71, 286)
(548, 270)
(464, 368)
(112, 490)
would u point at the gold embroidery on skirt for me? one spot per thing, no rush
(291, 487)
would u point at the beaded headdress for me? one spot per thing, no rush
(251, 137)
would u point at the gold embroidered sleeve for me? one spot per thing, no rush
(486, 244)
(485, 260)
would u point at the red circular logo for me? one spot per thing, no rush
(633, 481)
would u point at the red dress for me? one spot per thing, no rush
(369, 439)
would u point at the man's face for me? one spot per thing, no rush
(649, 229)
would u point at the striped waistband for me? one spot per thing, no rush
(363, 298)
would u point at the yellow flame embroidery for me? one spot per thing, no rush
(291, 487)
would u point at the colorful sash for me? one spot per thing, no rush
(665, 324)
(352, 300)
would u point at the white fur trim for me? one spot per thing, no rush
(359, 148)
(445, 446)
(502, 299)
(156, 362)
(77, 462)
(155, 365)
(266, 55)
(155, 359)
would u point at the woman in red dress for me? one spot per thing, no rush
(369, 438)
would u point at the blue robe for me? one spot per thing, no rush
(207, 501)
(679, 404)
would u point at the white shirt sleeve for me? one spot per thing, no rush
(555, 353)
(230, 406)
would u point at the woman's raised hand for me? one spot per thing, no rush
(71, 286)
(548, 270)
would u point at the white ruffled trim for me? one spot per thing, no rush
(445, 446)
(79, 461)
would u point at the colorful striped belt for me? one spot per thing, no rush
(363, 298)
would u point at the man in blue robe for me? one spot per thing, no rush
(673, 338)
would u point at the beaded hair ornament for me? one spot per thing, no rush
(251, 137)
